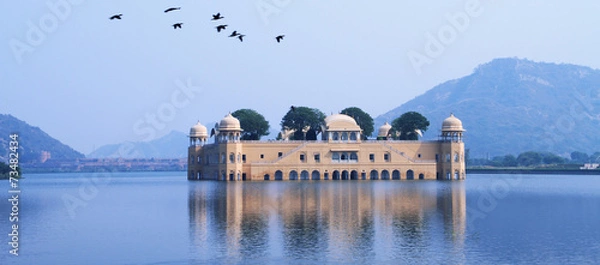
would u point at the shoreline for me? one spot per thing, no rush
(536, 171)
(532, 171)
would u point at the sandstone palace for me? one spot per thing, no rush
(339, 155)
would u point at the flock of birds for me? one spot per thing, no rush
(215, 17)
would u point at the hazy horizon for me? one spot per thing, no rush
(89, 81)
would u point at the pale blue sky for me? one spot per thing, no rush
(90, 81)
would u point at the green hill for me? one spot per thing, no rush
(34, 144)
(510, 105)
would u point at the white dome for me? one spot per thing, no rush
(384, 130)
(229, 123)
(452, 124)
(341, 121)
(198, 131)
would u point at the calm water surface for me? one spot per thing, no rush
(161, 218)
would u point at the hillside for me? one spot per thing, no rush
(34, 144)
(172, 145)
(510, 105)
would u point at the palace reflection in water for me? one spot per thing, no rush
(328, 221)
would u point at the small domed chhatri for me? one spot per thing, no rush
(384, 130)
(341, 154)
(198, 134)
(229, 123)
(198, 131)
(452, 124)
(452, 129)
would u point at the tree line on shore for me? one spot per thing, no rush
(305, 123)
(534, 159)
(5, 170)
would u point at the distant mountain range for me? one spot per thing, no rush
(34, 144)
(510, 105)
(507, 106)
(172, 145)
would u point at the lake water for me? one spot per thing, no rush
(161, 218)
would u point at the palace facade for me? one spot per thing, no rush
(339, 155)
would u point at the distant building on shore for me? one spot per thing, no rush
(339, 155)
(590, 166)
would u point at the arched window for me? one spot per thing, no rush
(304, 175)
(335, 157)
(336, 136)
(374, 174)
(396, 174)
(344, 157)
(223, 159)
(278, 175)
(455, 157)
(315, 175)
(447, 157)
(410, 174)
(352, 136)
(336, 175)
(344, 136)
(353, 157)
(293, 175)
(345, 175)
(385, 174)
(354, 175)
(231, 158)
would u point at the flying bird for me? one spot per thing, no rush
(234, 34)
(241, 37)
(217, 16)
(116, 16)
(220, 27)
(172, 9)
(177, 25)
(279, 38)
